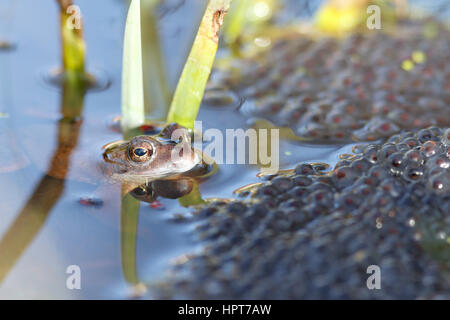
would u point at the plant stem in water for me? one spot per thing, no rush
(191, 86)
(133, 111)
(73, 45)
(156, 92)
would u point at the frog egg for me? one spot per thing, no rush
(363, 191)
(320, 197)
(282, 183)
(385, 151)
(338, 119)
(320, 167)
(236, 208)
(292, 203)
(435, 131)
(320, 186)
(424, 135)
(414, 156)
(440, 161)
(312, 131)
(411, 142)
(413, 173)
(370, 153)
(304, 169)
(344, 176)
(401, 117)
(395, 163)
(362, 165)
(402, 147)
(377, 128)
(381, 107)
(302, 181)
(299, 192)
(446, 138)
(435, 171)
(439, 183)
(416, 190)
(268, 190)
(347, 200)
(429, 148)
(378, 173)
(393, 187)
(365, 181)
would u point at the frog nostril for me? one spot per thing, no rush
(106, 157)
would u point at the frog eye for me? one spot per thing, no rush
(141, 153)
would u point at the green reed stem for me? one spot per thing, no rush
(128, 237)
(73, 45)
(191, 86)
(133, 111)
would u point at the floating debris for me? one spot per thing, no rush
(157, 205)
(89, 201)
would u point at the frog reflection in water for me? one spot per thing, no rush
(163, 164)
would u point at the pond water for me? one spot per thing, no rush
(49, 224)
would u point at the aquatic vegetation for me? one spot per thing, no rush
(354, 88)
(7, 13)
(73, 77)
(145, 93)
(308, 231)
(73, 46)
(133, 111)
(129, 219)
(156, 90)
(191, 85)
(246, 15)
(311, 233)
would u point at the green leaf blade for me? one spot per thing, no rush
(191, 86)
(133, 111)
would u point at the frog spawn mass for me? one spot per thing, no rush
(313, 234)
(363, 87)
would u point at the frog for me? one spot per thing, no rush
(133, 164)
(166, 156)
